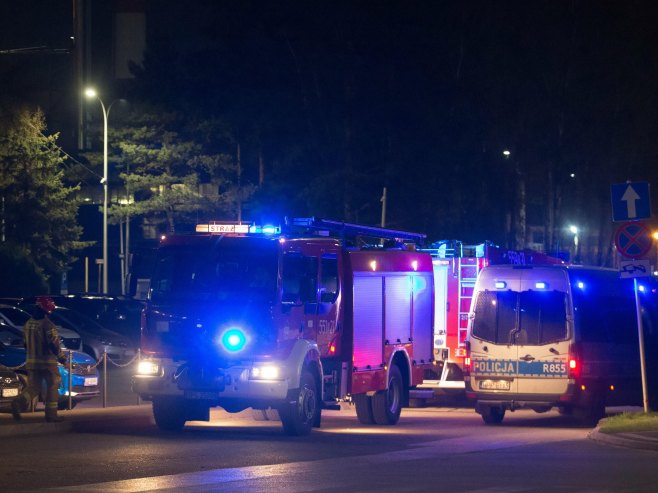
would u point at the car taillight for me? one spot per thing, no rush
(467, 358)
(573, 363)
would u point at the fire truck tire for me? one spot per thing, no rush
(299, 416)
(363, 405)
(387, 404)
(169, 413)
(492, 415)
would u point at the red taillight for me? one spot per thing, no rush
(573, 362)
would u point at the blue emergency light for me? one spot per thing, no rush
(234, 340)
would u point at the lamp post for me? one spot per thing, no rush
(91, 93)
(574, 230)
(655, 242)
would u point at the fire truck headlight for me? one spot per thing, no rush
(147, 367)
(234, 340)
(265, 373)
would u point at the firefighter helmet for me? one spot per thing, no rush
(46, 303)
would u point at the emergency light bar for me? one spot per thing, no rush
(237, 229)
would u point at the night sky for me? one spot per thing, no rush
(342, 99)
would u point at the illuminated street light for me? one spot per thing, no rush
(506, 153)
(91, 93)
(655, 240)
(574, 230)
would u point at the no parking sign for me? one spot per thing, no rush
(633, 239)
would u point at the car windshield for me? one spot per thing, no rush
(529, 317)
(221, 274)
(10, 338)
(74, 320)
(16, 316)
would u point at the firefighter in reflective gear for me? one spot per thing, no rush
(42, 355)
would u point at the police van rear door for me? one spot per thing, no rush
(542, 336)
(493, 323)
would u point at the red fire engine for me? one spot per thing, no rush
(297, 320)
(456, 268)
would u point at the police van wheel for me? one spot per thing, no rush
(492, 415)
(169, 414)
(589, 415)
(363, 405)
(299, 416)
(387, 404)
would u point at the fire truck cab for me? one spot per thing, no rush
(298, 320)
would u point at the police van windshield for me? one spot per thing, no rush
(526, 318)
(195, 273)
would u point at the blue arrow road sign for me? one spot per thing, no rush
(630, 201)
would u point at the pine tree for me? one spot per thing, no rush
(172, 169)
(39, 212)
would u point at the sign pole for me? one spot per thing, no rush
(640, 334)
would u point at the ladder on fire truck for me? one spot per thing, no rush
(463, 264)
(345, 230)
(467, 273)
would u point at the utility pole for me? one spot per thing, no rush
(383, 201)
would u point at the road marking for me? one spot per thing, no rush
(295, 472)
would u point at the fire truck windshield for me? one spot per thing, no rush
(222, 273)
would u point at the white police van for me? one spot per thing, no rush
(552, 336)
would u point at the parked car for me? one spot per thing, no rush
(96, 339)
(10, 387)
(16, 317)
(122, 315)
(84, 374)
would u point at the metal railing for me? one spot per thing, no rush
(103, 360)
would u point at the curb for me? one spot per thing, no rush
(86, 421)
(628, 440)
(93, 420)
(24, 429)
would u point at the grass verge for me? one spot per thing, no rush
(630, 422)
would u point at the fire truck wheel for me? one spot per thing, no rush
(492, 415)
(387, 404)
(169, 414)
(299, 416)
(363, 404)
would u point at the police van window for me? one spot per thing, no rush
(328, 279)
(542, 317)
(606, 314)
(495, 316)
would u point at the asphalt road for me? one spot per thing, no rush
(431, 449)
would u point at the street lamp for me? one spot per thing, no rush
(574, 230)
(91, 93)
(655, 242)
